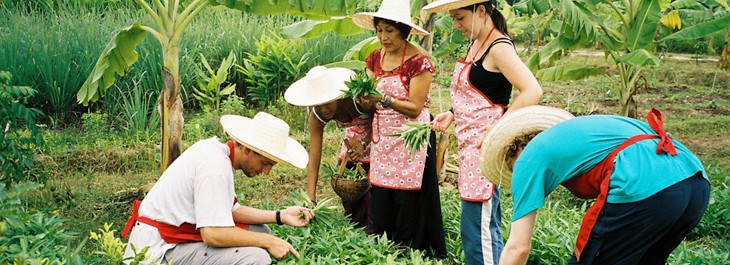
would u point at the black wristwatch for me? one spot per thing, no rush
(278, 218)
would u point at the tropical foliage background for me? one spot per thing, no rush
(96, 97)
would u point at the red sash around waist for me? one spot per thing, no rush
(594, 183)
(184, 233)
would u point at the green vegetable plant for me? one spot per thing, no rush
(19, 135)
(329, 170)
(209, 92)
(362, 85)
(414, 135)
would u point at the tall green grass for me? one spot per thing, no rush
(53, 52)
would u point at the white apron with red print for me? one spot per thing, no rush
(473, 111)
(391, 165)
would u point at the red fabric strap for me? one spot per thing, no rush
(654, 117)
(184, 233)
(586, 184)
(232, 147)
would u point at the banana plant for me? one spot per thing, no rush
(169, 20)
(626, 30)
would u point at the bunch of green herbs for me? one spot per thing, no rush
(348, 174)
(362, 85)
(414, 135)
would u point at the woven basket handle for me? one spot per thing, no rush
(341, 169)
(360, 169)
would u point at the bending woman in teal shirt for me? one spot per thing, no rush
(651, 190)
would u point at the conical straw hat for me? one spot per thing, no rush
(515, 124)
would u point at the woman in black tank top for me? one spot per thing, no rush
(480, 91)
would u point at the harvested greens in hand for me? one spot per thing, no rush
(362, 85)
(414, 135)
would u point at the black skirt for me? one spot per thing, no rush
(412, 217)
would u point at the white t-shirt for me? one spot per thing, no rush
(197, 188)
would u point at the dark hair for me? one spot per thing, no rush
(518, 144)
(404, 29)
(494, 13)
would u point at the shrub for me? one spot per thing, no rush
(19, 137)
(32, 238)
(95, 124)
(275, 66)
(208, 92)
(112, 248)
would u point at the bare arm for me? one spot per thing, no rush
(417, 93)
(517, 249)
(504, 58)
(316, 132)
(236, 237)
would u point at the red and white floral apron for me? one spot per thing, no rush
(357, 128)
(595, 182)
(391, 163)
(473, 112)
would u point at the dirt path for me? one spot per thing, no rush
(663, 56)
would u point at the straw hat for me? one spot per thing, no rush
(395, 10)
(268, 136)
(446, 5)
(513, 125)
(321, 85)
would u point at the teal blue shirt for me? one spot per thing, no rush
(575, 146)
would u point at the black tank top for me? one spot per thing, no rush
(493, 85)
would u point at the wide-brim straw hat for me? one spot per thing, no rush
(394, 10)
(268, 136)
(321, 85)
(515, 124)
(446, 5)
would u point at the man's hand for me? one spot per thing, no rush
(442, 121)
(296, 216)
(279, 248)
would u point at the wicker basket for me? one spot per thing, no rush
(349, 190)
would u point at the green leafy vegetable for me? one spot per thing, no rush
(329, 170)
(362, 85)
(414, 135)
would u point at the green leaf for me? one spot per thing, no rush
(308, 29)
(643, 28)
(568, 71)
(351, 64)
(639, 58)
(362, 49)
(550, 51)
(579, 20)
(701, 29)
(116, 59)
(311, 9)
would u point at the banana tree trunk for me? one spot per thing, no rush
(627, 92)
(427, 41)
(628, 107)
(724, 60)
(170, 108)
